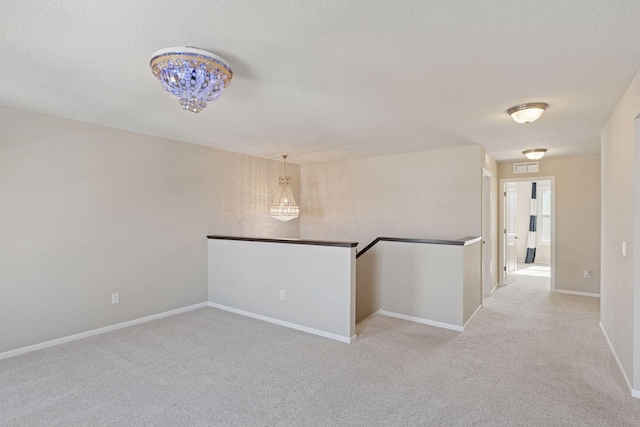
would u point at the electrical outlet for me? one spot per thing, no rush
(115, 298)
(624, 248)
(587, 273)
(281, 294)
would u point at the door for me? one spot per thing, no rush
(487, 283)
(510, 266)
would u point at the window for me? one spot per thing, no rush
(544, 215)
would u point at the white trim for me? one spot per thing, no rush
(324, 334)
(487, 235)
(470, 318)
(423, 321)
(540, 216)
(583, 294)
(495, 287)
(634, 393)
(98, 331)
(369, 317)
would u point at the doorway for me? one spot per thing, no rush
(528, 231)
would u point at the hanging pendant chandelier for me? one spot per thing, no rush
(284, 206)
(192, 75)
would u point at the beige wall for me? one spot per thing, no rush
(433, 283)
(619, 284)
(577, 218)
(429, 194)
(88, 211)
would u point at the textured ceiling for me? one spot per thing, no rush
(325, 80)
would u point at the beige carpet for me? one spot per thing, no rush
(528, 358)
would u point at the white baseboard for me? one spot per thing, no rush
(495, 287)
(634, 393)
(472, 316)
(98, 331)
(324, 334)
(582, 294)
(423, 321)
(362, 321)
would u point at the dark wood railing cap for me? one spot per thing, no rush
(289, 241)
(458, 242)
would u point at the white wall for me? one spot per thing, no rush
(577, 218)
(318, 284)
(87, 211)
(429, 194)
(618, 314)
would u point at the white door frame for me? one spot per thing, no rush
(487, 235)
(509, 233)
(552, 180)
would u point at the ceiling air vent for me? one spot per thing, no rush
(531, 167)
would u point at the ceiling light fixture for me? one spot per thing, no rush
(534, 153)
(192, 75)
(527, 113)
(284, 206)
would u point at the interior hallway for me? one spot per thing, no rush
(529, 357)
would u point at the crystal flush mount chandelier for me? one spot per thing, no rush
(192, 75)
(284, 206)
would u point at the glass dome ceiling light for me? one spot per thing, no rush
(192, 75)
(527, 113)
(284, 207)
(534, 153)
